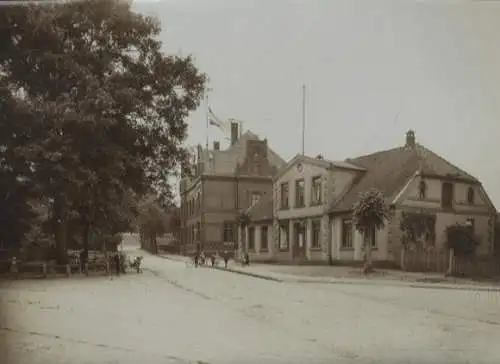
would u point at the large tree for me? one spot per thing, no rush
(107, 108)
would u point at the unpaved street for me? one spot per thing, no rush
(175, 314)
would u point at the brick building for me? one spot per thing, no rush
(223, 183)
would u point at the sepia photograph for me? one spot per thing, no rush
(249, 181)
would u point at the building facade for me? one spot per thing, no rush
(224, 183)
(313, 200)
(414, 180)
(302, 192)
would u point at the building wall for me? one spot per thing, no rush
(190, 217)
(258, 253)
(222, 199)
(380, 252)
(335, 181)
(480, 210)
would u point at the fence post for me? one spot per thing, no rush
(449, 272)
(44, 269)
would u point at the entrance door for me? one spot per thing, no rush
(299, 240)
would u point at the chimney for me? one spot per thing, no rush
(410, 139)
(234, 132)
(216, 145)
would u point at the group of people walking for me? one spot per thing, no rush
(200, 258)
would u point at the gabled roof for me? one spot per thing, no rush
(300, 158)
(225, 160)
(389, 170)
(262, 210)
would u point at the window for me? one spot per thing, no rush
(315, 234)
(470, 196)
(447, 195)
(422, 189)
(316, 191)
(284, 236)
(299, 193)
(255, 198)
(347, 233)
(284, 195)
(251, 238)
(228, 232)
(264, 244)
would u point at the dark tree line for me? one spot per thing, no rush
(92, 118)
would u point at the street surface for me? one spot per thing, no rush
(176, 314)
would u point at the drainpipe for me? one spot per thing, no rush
(329, 242)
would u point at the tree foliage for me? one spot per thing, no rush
(96, 111)
(461, 239)
(370, 211)
(415, 226)
(243, 219)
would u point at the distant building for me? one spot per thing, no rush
(224, 183)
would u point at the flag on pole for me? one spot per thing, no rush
(215, 121)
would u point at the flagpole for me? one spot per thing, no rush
(303, 118)
(206, 113)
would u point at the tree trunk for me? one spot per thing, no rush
(61, 230)
(86, 236)
(402, 258)
(367, 268)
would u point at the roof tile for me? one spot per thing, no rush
(389, 170)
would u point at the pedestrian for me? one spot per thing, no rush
(84, 258)
(226, 258)
(196, 258)
(212, 260)
(117, 263)
(247, 259)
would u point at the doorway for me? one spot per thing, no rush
(299, 240)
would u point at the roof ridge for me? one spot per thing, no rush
(375, 153)
(434, 154)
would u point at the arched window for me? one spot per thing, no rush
(470, 195)
(422, 189)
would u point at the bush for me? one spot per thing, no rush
(461, 239)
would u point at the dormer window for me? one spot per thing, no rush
(470, 196)
(447, 195)
(422, 189)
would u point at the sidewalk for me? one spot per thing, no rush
(349, 275)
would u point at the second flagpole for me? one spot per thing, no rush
(303, 119)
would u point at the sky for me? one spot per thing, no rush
(372, 71)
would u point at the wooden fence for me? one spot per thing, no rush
(426, 261)
(439, 262)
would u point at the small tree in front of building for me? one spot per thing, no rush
(243, 220)
(370, 213)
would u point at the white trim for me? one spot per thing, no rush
(405, 188)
